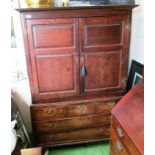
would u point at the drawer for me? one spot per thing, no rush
(76, 136)
(124, 138)
(116, 145)
(67, 109)
(71, 123)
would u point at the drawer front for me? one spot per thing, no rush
(124, 138)
(116, 145)
(71, 123)
(75, 136)
(57, 110)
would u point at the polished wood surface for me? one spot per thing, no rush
(74, 136)
(128, 120)
(77, 66)
(116, 145)
(67, 124)
(79, 43)
(47, 48)
(69, 109)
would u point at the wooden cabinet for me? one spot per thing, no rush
(127, 129)
(77, 66)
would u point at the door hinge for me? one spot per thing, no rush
(124, 81)
(127, 27)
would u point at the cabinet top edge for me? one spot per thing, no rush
(117, 7)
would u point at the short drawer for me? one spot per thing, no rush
(71, 123)
(67, 109)
(75, 136)
(124, 138)
(116, 145)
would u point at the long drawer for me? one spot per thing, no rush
(47, 111)
(75, 136)
(67, 124)
(124, 138)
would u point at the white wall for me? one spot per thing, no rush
(137, 34)
(21, 89)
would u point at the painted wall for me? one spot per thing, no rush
(137, 34)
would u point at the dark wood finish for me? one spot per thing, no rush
(69, 109)
(78, 36)
(75, 136)
(104, 43)
(58, 52)
(128, 120)
(67, 124)
(116, 145)
(77, 67)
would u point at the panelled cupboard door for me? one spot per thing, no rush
(104, 53)
(54, 57)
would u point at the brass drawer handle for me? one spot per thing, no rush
(51, 137)
(120, 132)
(119, 145)
(111, 104)
(49, 125)
(48, 110)
(81, 107)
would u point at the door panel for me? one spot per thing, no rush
(102, 70)
(103, 34)
(54, 57)
(52, 34)
(55, 73)
(46, 36)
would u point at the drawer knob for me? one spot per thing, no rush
(119, 145)
(49, 125)
(48, 110)
(120, 132)
(81, 107)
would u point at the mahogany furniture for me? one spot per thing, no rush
(127, 129)
(77, 61)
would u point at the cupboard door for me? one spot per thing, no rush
(104, 53)
(54, 57)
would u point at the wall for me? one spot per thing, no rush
(137, 34)
(20, 89)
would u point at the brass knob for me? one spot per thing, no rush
(81, 107)
(120, 132)
(48, 110)
(119, 145)
(51, 137)
(49, 125)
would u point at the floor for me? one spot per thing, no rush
(101, 148)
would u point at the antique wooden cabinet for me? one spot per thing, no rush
(77, 61)
(127, 129)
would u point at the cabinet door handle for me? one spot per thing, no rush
(83, 74)
(120, 132)
(83, 71)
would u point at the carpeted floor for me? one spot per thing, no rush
(86, 149)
